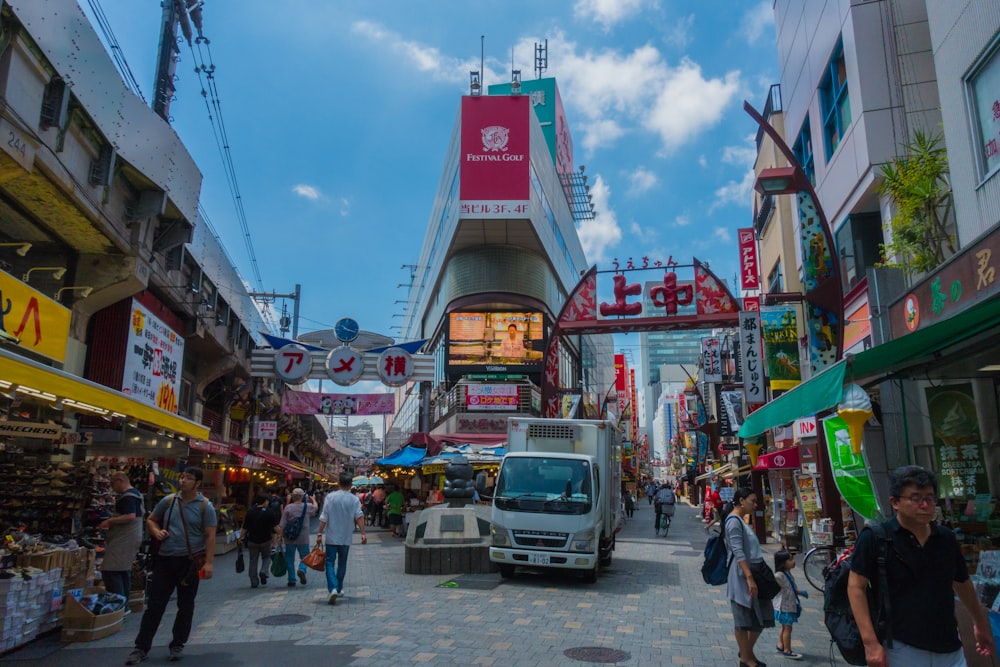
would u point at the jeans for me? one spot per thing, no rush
(262, 550)
(904, 654)
(336, 566)
(290, 551)
(168, 573)
(117, 581)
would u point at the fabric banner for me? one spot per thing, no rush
(730, 412)
(314, 403)
(957, 441)
(849, 471)
(780, 331)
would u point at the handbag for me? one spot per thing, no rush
(240, 563)
(279, 567)
(763, 575)
(316, 559)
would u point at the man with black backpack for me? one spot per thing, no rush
(924, 570)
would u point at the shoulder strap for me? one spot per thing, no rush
(883, 542)
(170, 508)
(791, 584)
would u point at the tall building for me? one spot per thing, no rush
(499, 258)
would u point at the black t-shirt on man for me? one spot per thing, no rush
(260, 523)
(920, 584)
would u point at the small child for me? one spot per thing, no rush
(787, 607)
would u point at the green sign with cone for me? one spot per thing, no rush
(849, 471)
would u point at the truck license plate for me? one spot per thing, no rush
(538, 559)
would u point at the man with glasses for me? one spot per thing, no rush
(925, 571)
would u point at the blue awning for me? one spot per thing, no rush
(407, 457)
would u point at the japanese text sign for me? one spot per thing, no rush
(344, 365)
(751, 357)
(292, 363)
(749, 268)
(395, 366)
(154, 356)
(41, 323)
(491, 397)
(711, 359)
(957, 440)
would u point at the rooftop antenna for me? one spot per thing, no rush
(541, 58)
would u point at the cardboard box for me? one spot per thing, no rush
(80, 625)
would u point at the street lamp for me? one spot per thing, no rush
(57, 272)
(22, 248)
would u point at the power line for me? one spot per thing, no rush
(114, 48)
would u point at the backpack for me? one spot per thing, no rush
(837, 615)
(293, 529)
(715, 568)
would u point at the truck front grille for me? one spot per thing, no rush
(537, 539)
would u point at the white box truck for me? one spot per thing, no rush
(557, 497)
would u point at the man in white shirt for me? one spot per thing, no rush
(341, 513)
(512, 346)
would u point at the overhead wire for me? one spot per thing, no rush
(115, 48)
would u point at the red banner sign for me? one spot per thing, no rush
(495, 177)
(749, 268)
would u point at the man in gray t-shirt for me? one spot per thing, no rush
(341, 513)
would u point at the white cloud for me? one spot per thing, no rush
(679, 36)
(682, 220)
(599, 235)
(687, 103)
(755, 21)
(702, 161)
(307, 191)
(641, 181)
(600, 134)
(723, 234)
(647, 235)
(741, 156)
(427, 58)
(734, 192)
(345, 207)
(607, 12)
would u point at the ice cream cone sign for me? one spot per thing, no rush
(855, 409)
(753, 451)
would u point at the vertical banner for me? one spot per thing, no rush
(749, 268)
(752, 363)
(494, 179)
(849, 471)
(711, 359)
(780, 331)
(957, 441)
(154, 356)
(731, 405)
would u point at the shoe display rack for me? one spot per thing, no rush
(46, 500)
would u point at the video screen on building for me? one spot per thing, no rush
(496, 339)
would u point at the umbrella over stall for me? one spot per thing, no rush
(366, 480)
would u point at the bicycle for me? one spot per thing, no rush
(664, 525)
(818, 560)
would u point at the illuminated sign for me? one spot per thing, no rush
(496, 340)
(494, 174)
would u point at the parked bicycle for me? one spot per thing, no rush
(818, 560)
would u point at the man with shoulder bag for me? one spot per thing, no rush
(184, 523)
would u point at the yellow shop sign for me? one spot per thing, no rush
(40, 323)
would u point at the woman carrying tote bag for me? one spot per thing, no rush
(750, 613)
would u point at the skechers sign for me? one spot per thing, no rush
(494, 180)
(29, 430)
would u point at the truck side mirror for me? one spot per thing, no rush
(481, 483)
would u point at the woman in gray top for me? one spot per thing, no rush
(301, 506)
(750, 614)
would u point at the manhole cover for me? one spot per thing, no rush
(597, 654)
(687, 553)
(282, 619)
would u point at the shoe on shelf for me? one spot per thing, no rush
(332, 599)
(135, 657)
(302, 577)
(176, 653)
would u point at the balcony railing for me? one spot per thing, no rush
(763, 214)
(771, 106)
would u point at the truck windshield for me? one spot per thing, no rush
(545, 485)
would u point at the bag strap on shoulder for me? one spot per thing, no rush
(883, 542)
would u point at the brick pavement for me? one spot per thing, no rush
(650, 604)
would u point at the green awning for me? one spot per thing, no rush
(895, 358)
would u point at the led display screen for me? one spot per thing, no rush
(496, 339)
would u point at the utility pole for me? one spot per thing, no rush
(183, 13)
(296, 296)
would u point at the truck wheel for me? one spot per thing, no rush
(506, 571)
(605, 559)
(590, 576)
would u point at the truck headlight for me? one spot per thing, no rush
(500, 536)
(583, 541)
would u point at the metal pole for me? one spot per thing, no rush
(295, 312)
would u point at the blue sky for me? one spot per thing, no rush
(338, 115)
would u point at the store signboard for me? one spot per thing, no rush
(958, 444)
(779, 329)
(41, 324)
(849, 471)
(315, 403)
(750, 357)
(154, 355)
(711, 359)
(9, 429)
(491, 397)
(494, 175)
(749, 268)
(266, 430)
(210, 446)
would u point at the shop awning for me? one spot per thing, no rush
(882, 362)
(783, 459)
(279, 462)
(407, 457)
(90, 396)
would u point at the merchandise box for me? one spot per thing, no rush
(81, 625)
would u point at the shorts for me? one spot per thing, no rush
(745, 618)
(395, 519)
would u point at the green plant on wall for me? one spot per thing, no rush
(917, 183)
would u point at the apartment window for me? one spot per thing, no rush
(982, 86)
(803, 150)
(835, 102)
(775, 279)
(859, 242)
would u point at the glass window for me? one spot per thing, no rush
(983, 87)
(803, 150)
(835, 102)
(775, 279)
(859, 241)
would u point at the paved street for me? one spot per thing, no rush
(651, 606)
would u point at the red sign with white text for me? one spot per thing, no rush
(494, 177)
(749, 269)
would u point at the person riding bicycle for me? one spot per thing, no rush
(664, 502)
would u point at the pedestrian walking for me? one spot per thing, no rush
(750, 614)
(925, 571)
(260, 535)
(123, 536)
(341, 513)
(184, 523)
(294, 529)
